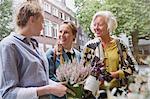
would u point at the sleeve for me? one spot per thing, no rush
(27, 93)
(52, 66)
(9, 78)
(127, 68)
(86, 55)
(88, 52)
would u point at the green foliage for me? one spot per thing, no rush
(132, 15)
(86, 9)
(5, 18)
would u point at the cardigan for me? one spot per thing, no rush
(126, 65)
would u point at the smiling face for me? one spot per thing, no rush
(100, 26)
(65, 36)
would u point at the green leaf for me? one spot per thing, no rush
(5, 18)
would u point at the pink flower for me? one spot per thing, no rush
(73, 73)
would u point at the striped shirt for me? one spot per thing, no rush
(22, 68)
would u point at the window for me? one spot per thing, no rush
(67, 18)
(1, 1)
(80, 37)
(54, 29)
(47, 7)
(55, 11)
(47, 28)
(83, 38)
(61, 15)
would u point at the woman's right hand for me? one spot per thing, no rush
(59, 90)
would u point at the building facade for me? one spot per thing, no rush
(56, 11)
(82, 38)
(1, 1)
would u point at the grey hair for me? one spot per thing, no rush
(110, 19)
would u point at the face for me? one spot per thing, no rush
(100, 26)
(37, 25)
(65, 36)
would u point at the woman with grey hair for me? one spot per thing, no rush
(116, 64)
(109, 18)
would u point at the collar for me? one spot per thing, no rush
(25, 39)
(19, 36)
(71, 50)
